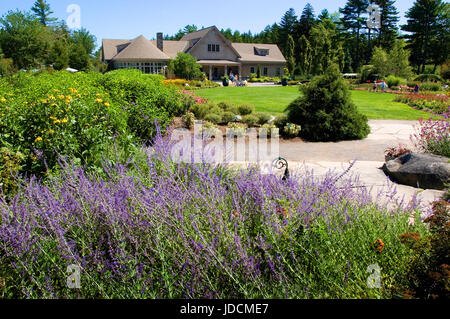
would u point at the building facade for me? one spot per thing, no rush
(217, 55)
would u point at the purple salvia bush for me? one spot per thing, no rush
(166, 230)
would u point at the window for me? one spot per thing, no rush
(265, 71)
(213, 48)
(278, 72)
(147, 67)
(252, 69)
(261, 52)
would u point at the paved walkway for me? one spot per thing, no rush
(369, 154)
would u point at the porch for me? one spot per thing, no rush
(215, 69)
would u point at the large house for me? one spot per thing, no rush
(217, 55)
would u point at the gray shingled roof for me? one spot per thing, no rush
(196, 35)
(247, 52)
(143, 49)
(172, 48)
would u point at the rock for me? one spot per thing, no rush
(424, 171)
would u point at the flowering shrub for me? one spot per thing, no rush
(292, 130)
(165, 230)
(436, 103)
(189, 99)
(81, 115)
(192, 84)
(433, 136)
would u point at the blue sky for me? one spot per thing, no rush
(127, 19)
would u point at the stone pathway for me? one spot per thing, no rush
(369, 154)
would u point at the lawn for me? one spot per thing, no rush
(274, 100)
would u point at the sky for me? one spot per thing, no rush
(127, 19)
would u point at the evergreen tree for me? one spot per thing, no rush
(353, 19)
(399, 60)
(326, 112)
(287, 27)
(305, 58)
(324, 15)
(424, 25)
(306, 21)
(389, 19)
(290, 58)
(78, 58)
(59, 55)
(42, 11)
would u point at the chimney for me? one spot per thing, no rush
(159, 40)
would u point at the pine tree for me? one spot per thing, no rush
(389, 19)
(423, 27)
(42, 11)
(287, 27)
(353, 19)
(306, 21)
(325, 110)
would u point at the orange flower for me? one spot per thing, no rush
(378, 245)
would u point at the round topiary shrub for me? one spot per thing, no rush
(228, 117)
(251, 120)
(326, 112)
(188, 119)
(213, 118)
(245, 109)
(263, 118)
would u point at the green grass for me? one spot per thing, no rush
(274, 100)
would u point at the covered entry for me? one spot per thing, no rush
(215, 69)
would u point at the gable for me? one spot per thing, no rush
(206, 47)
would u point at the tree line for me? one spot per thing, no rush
(32, 39)
(311, 42)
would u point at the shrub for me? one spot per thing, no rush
(292, 130)
(433, 136)
(213, 118)
(185, 66)
(237, 129)
(269, 128)
(188, 120)
(245, 109)
(368, 74)
(326, 112)
(392, 81)
(429, 78)
(251, 120)
(429, 271)
(263, 118)
(170, 230)
(430, 86)
(281, 121)
(394, 152)
(228, 107)
(228, 117)
(10, 166)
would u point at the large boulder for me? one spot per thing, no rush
(419, 170)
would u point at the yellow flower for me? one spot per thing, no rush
(25, 102)
(3, 100)
(53, 104)
(64, 120)
(56, 121)
(44, 101)
(72, 90)
(107, 104)
(38, 139)
(51, 131)
(53, 118)
(60, 96)
(99, 100)
(51, 97)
